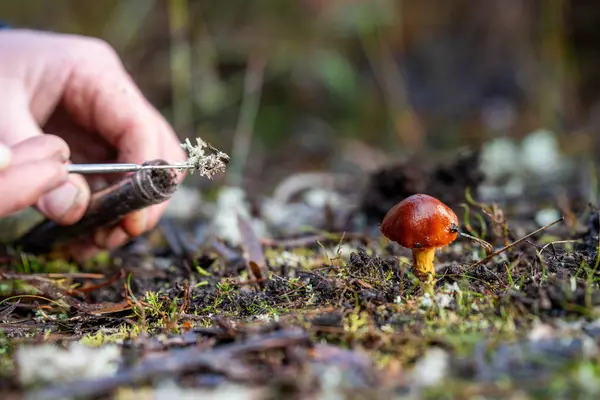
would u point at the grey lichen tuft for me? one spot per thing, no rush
(204, 158)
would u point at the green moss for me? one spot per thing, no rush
(103, 336)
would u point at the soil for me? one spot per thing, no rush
(333, 314)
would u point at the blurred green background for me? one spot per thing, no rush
(301, 85)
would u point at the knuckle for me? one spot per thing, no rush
(55, 141)
(105, 50)
(101, 46)
(94, 50)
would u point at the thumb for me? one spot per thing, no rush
(67, 203)
(25, 183)
(64, 204)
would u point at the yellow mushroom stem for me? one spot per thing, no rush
(423, 263)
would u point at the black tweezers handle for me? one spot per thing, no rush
(107, 207)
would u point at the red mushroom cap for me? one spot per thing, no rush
(420, 221)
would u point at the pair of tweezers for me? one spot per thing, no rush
(120, 168)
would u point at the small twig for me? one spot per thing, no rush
(133, 301)
(8, 310)
(597, 263)
(502, 250)
(224, 359)
(73, 275)
(489, 249)
(251, 282)
(47, 277)
(313, 239)
(187, 295)
(92, 288)
(556, 242)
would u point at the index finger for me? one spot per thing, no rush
(105, 99)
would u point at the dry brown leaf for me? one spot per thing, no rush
(104, 308)
(253, 251)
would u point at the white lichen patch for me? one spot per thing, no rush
(445, 298)
(291, 259)
(231, 202)
(168, 389)
(432, 368)
(425, 301)
(51, 364)
(204, 158)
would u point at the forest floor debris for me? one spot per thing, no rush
(316, 315)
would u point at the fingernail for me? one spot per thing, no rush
(5, 156)
(59, 201)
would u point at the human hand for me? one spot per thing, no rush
(30, 169)
(77, 89)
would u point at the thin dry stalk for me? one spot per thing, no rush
(502, 250)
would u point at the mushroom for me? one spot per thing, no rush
(421, 223)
